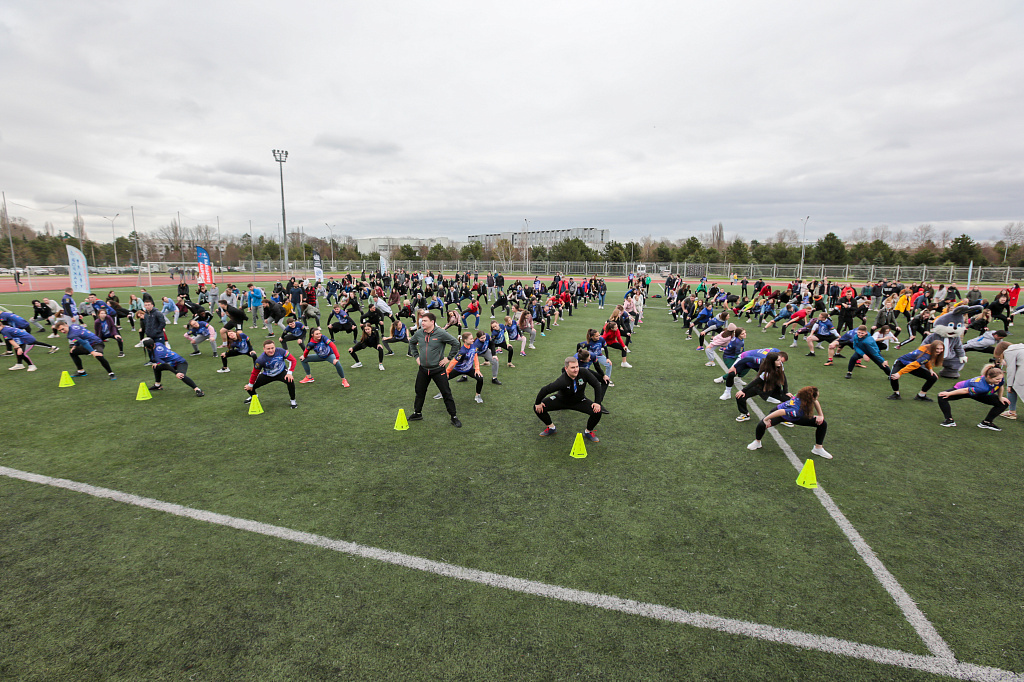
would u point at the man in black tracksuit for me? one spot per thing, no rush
(569, 390)
(428, 344)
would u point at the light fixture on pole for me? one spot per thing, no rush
(281, 156)
(114, 237)
(332, 245)
(803, 246)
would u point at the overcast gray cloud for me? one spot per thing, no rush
(448, 118)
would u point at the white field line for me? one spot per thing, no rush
(942, 666)
(925, 630)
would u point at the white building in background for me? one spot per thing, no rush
(593, 237)
(386, 245)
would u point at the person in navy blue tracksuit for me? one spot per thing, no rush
(166, 360)
(81, 341)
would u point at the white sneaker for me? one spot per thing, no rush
(793, 345)
(743, 418)
(719, 380)
(479, 399)
(357, 365)
(381, 366)
(11, 369)
(532, 347)
(773, 401)
(224, 370)
(31, 368)
(726, 395)
(437, 397)
(821, 346)
(821, 452)
(492, 317)
(709, 364)
(139, 344)
(626, 365)
(52, 336)
(754, 445)
(788, 424)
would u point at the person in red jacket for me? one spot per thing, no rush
(472, 309)
(613, 338)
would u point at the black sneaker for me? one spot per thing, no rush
(895, 396)
(810, 355)
(839, 355)
(415, 417)
(247, 400)
(923, 398)
(388, 355)
(120, 355)
(456, 423)
(989, 425)
(199, 393)
(495, 382)
(461, 379)
(948, 422)
(195, 352)
(294, 406)
(81, 373)
(154, 387)
(849, 375)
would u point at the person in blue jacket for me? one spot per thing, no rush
(800, 410)
(275, 364)
(81, 341)
(864, 344)
(198, 331)
(238, 344)
(987, 389)
(15, 322)
(701, 319)
(822, 330)
(22, 342)
(166, 360)
(399, 332)
(293, 331)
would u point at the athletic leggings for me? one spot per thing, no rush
(393, 338)
(286, 337)
(756, 389)
(469, 373)
(500, 305)
(819, 433)
(336, 327)
(921, 373)
(78, 350)
(990, 399)
(741, 369)
(230, 353)
(855, 358)
(182, 368)
(504, 346)
(263, 380)
(316, 358)
(620, 347)
(490, 357)
(22, 354)
(359, 346)
(552, 404)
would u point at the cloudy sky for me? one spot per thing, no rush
(452, 118)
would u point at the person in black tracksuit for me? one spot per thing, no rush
(569, 394)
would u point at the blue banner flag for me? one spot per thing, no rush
(79, 270)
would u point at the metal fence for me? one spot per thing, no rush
(774, 271)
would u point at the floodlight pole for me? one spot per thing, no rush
(281, 156)
(333, 267)
(803, 246)
(113, 236)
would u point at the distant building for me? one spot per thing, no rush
(593, 237)
(386, 245)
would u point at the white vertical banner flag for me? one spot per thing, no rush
(79, 270)
(383, 264)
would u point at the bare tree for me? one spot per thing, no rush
(504, 252)
(880, 232)
(648, 245)
(788, 237)
(717, 240)
(944, 238)
(1013, 234)
(922, 233)
(900, 239)
(859, 234)
(173, 237)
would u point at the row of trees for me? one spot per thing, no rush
(877, 246)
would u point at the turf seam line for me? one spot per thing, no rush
(924, 628)
(949, 667)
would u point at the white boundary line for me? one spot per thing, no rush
(933, 664)
(925, 630)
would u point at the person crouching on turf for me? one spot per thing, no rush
(370, 339)
(81, 341)
(238, 344)
(801, 410)
(106, 328)
(822, 329)
(569, 394)
(769, 384)
(165, 359)
(466, 363)
(197, 332)
(293, 331)
(21, 343)
(324, 350)
(276, 364)
(987, 388)
(864, 344)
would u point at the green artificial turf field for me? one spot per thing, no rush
(669, 509)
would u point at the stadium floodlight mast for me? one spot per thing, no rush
(281, 156)
(803, 245)
(332, 244)
(114, 236)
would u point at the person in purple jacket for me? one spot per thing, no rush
(81, 341)
(987, 388)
